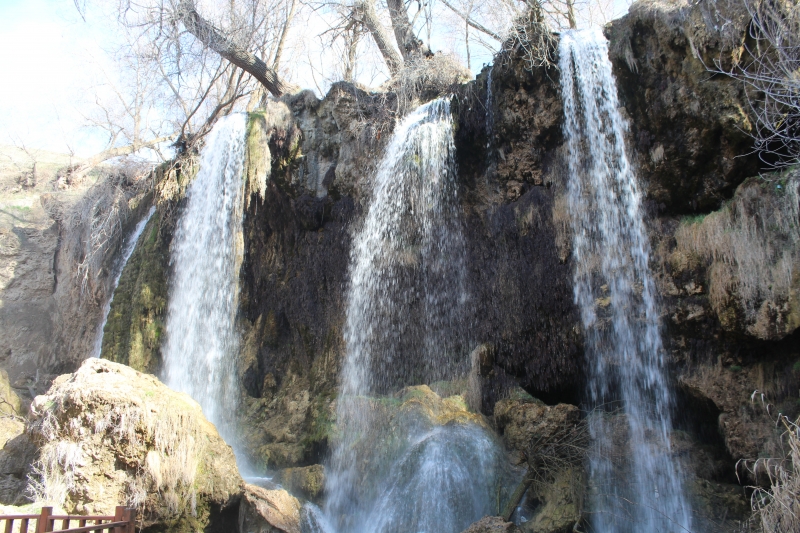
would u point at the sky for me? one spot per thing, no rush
(52, 62)
(48, 57)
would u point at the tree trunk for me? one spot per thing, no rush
(410, 45)
(209, 36)
(365, 12)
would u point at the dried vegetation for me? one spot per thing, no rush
(777, 508)
(752, 250)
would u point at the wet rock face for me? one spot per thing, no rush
(730, 321)
(688, 127)
(135, 326)
(511, 184)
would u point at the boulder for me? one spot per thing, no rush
(16, 459)
(109, 435)
(523, 422)
(10, 420)
(492, 524)
(268, 511)
(552, 440)
(308, 481)
(560, 507)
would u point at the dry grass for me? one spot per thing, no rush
(93, 225)
(778, 507)
(752, 246)
(532, 37)
(426, 78)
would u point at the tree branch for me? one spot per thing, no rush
(212, 38)
(410, 45)
(365, 12)
(472, 23)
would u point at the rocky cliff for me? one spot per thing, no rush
(724, 238)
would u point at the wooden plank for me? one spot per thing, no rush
(23, 525)
(96, 527)
(9, 525)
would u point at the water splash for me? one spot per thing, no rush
(617, 300)
(405, 325)
(127, 251)
(201, 340)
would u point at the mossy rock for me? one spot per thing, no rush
(135, 326)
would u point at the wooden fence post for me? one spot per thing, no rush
(130, 516)
(43, 523)
(119, 516)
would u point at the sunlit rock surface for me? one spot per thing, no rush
(268, 511)
(109, 435)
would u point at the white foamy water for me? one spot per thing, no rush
(201, 340)
(127, 251)
(405, 325)
(611, 252)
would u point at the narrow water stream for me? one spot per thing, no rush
(635, 484)
(127, 251)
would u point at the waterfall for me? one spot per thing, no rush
(617, 299)
(127, 251)
(405, 325)
(201, 341)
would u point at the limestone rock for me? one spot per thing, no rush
(561, 505)
(307, 481)
(109, 435)
(16, 459)
(10, 421)
(492, 524)
(689, 129)
(268, 511)
(523, 422)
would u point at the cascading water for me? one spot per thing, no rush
(127, 251)
(616, 296)
(201, 340)
(405, 325)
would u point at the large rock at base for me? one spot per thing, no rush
(491, 524)
(16, 458)
(109, 435)
(16, 455)
(268, 511)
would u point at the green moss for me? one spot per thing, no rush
(735, 368)
(688, 220)
(134, 330)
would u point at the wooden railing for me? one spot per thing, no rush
(123, 521)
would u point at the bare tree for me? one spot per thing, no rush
(769, 68)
